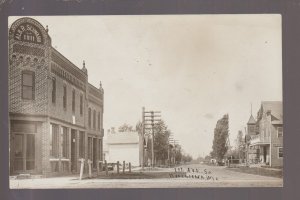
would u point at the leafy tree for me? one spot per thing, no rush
(240, 145)
(161, 137)
(221, 133)
(125, 128)
(186, 158)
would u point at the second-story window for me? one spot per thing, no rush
(81, 104)
(73, 100)
(94, 119)
(98, 120)
(89, 117)
(53, 90)
(279, 132)
(65, 97)
(28, 86)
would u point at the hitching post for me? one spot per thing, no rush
(129, 167)
(123, 167)
(81, 168)
(90, 168)
(118, 167)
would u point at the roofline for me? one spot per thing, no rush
(72, 64)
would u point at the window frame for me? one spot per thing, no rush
(64, 143)
(54, 144)
(28, 72)
(278, 152)
(278, 132)
(94, 119)
(73, 100)
(65, 97)
(53, 94)
(81, 144)
(81, 104)
(99, 121)
(89, 117)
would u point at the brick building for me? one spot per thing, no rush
(265, 135)
(56, 116)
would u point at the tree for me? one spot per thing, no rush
(161, 137)
(125, 128)
(186, 158)
(240, 145)
(221, 133)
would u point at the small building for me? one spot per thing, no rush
(55, 114)
(265, 135)
(124, 146)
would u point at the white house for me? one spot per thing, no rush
(123, 146)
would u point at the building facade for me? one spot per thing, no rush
(56, 116)
(265, 135)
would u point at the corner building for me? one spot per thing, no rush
(55, 115)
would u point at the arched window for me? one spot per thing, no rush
(73, 100)
(81, 104)
(89, 117)
(65, 97)
(28, 85)
(94, 119)
(98, 120)
(53, 90)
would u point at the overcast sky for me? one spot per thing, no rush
(192, 68)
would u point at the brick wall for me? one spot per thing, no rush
(57, 110)
(16, 103)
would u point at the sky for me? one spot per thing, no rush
(192, 68)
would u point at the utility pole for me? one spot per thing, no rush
(150, 118)
(143, 137)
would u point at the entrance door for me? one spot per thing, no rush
(265, 154)
(95, 153)
(24, 158)
(73, 151)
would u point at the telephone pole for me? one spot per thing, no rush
(150, 118)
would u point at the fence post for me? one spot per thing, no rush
(118, 167)
(123, 166)
(129, 167)
(106, 170)
(81, 168)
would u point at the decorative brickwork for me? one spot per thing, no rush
(30, 50)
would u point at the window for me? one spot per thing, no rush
(280, 152)
(54, 140)
(53, 90)
(98, 120)
(89, 117)
(65, 97)
(73, 100)
(279, 132)
(94, 119)
(24, 127)
(81, 104)
(81, 144)
(28, 87)
(64, 142)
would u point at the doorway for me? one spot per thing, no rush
(95, 153)
(24, 152)
(265, 154)
(73, 151)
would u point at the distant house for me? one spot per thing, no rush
(124, 146)
(265, 135)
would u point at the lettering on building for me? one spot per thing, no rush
(27, 32)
